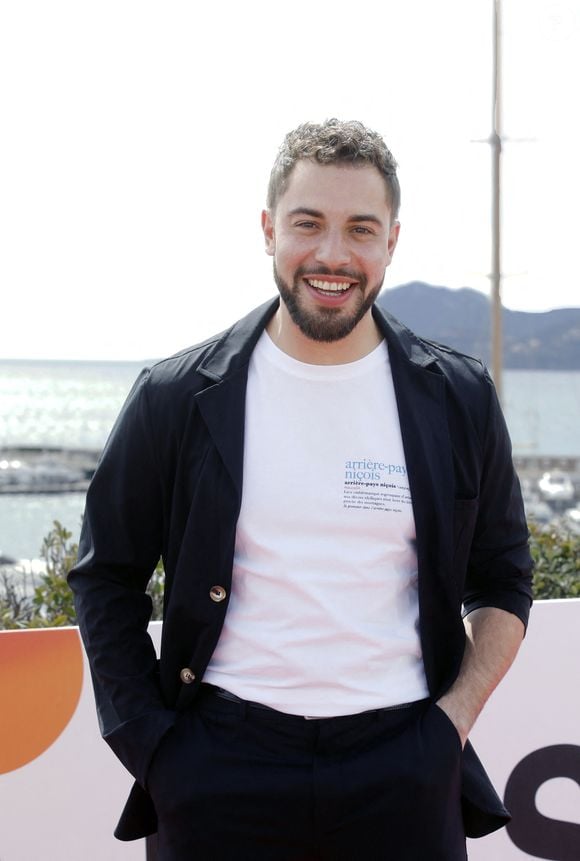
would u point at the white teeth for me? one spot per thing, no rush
(329, 286)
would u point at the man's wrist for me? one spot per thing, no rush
(460, 717)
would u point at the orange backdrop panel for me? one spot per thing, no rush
(41, 676)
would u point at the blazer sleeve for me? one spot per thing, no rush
(120, 545)
(499, 569)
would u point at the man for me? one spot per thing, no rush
(326, 491)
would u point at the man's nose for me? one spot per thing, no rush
(332, 249)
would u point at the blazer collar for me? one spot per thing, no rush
(402, 341)
(234, 347)
(419, 387)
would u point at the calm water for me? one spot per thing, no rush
(69, 404)
(542, 409)
(74, 404)
(60, 404)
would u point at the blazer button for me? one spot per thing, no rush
(217, 593)
(187, 676)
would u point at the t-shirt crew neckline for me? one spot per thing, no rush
(267, 350)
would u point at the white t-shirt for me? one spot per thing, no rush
(323, 612)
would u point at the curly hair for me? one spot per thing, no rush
(334, 142)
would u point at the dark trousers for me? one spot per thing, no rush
(234, 782)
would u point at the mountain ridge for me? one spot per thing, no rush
(461, 319)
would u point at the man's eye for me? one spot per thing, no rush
(363, 231)
(308, 224)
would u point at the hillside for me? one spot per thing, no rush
(461, 318)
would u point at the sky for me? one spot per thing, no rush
(138, 137)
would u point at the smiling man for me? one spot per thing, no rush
(329, 494)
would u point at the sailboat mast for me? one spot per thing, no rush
(496, 148)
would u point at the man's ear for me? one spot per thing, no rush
(393, 239)
(268, 228)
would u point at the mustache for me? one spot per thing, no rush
(326, 270)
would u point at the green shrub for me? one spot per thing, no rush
(53, 599)
(50, 603)
(16, 606)
(557, 559)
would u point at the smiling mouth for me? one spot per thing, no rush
(330, 288)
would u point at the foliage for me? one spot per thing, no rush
(16, 607)
(42, 600)
(556, 555)
(45, 600)
(53, 600)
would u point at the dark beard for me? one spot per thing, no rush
(325, 324)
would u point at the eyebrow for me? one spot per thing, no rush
(372, 218)
(303, 210)
(315, 213)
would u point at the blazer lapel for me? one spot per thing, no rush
(420, 392)
(222, 407)
(222, 404)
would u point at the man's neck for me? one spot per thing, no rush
(291, 340)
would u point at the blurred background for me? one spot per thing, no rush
(136, 147)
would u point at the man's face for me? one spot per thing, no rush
(332, 238)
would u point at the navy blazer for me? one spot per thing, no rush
(169, 483)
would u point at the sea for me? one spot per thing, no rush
(72, 405)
